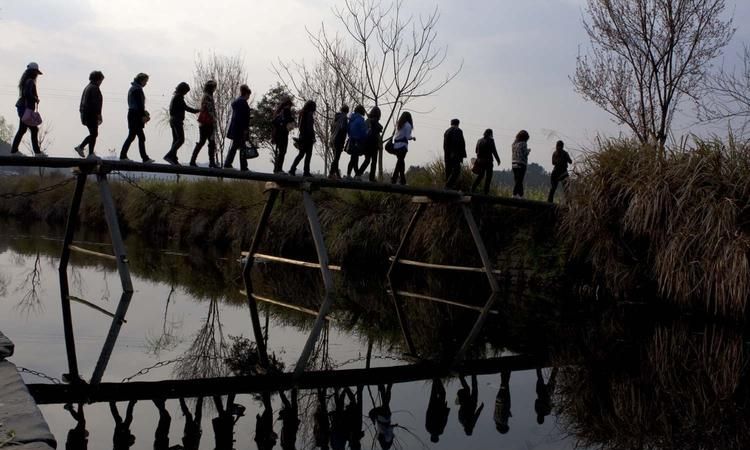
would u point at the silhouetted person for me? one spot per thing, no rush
(404, 128)
(454, 151)
(122, 439)
(381, 418)
(357, 132)
(520, 160)
(467, 399)
(27, 99)
(177, 109)
(560, 161)
(339, 432)
(137, 118)
(373, 143)
(502, 403)
(239, 128)
(265, 438)
(321, 427)
(339, 129)
(191, 438)
(486, 152)
(306, 139)
(91, 112)
(437, 411)
(161, 436)
(207, 119)
(289, 416)
(78, 436)
(544, 391)
(223, 424)
(282, 121)
(353, 412)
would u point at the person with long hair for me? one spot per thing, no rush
(357, 135)
(27, 99)
(306, 138)
(177, 109)
(206, 125)
(239, 128)
(91, 112)
(372, 143)
(520, 160)
(137, 118)
(486, 151)
(282, 122)
(338, 139)
(404, 128)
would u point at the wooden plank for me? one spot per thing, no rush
(440, 300)
(86, 251)
(295, 262)
(408, 262)
(302, 309)
(93, 306)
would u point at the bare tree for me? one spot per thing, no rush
(396, 55)
(728, 93)
(229, 73)
(647, 54)
(6, 131)
(261, 119)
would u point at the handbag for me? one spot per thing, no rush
(476, 166)
(31, 118)
(249, 152)
(204, 118)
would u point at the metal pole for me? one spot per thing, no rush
(490, 277)
(320, 247)
(110, 214)
(403, 323)
(70, 226)
(246, 269)
(407, 234)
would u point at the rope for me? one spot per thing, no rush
(42, 190)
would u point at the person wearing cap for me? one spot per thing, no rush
(177, 109)
(91, 112)
(28, 99)
(137, 118)
(486, 151)
(206, 125)
(454, 149)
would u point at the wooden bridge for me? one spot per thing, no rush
(99, 169)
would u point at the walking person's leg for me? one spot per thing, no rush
(517, 181)
(91, 138)
(22, 127)
(353, 161)
(281, 146)
(126, 145)
(35, 140)
(230, 154)
(297, 159)
(373, 165)
(478, 180)
(553, 188)
(523, 174)
(334, 171)
(142, 146)
(212, 149)
(487, 180)
(203, 134)
(308, 156)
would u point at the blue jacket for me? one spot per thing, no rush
(240, 121)
(357, 127)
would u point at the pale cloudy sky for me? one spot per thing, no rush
(518, 56)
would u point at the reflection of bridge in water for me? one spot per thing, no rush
(95, 390)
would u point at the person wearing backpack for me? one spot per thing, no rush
(454, 149)
(206, 125)
(91, 112)
(239, 127)
(177, 109)
(306, 138)
(281, 123)
(372, 143)
(339, 129)
(560, 161)
(357, 131)
(137, 118)
(27, 100)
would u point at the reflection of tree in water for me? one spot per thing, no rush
(4, 282)
(30, 303)
(167, 339)
(207, 354)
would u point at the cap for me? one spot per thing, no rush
(34, 66)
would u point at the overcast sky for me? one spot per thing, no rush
(518, 56)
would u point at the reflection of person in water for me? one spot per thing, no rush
(289, 416)
(437, 411)
(321, 427)
(543, 403)
(467, 399)
(191, 438)
(339, 433)
(122, 439)
(78, 437)
(223, 424)
(381, 418)
(502, 403)
(161, 437)
(353, 412)
(265, 437)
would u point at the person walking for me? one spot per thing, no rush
(520, 160)
(454, 150)
(239, 128)
(177, 109)
(306, 138)
(404, 128)
(357, 132)
(206, 125)
(27, 100)
(282, 123)
(486, 151)
(372, 144)
(560, 161)
(91, 112)
(338, 139)
(137, 118)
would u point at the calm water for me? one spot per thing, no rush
(187, 312)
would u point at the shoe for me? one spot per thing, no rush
(40, 155)
(245, 170)
(193, 164)
(17, 154)
(212, 166)
(292, 172)
(171, 160)
(148, 161)
(79, 150)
